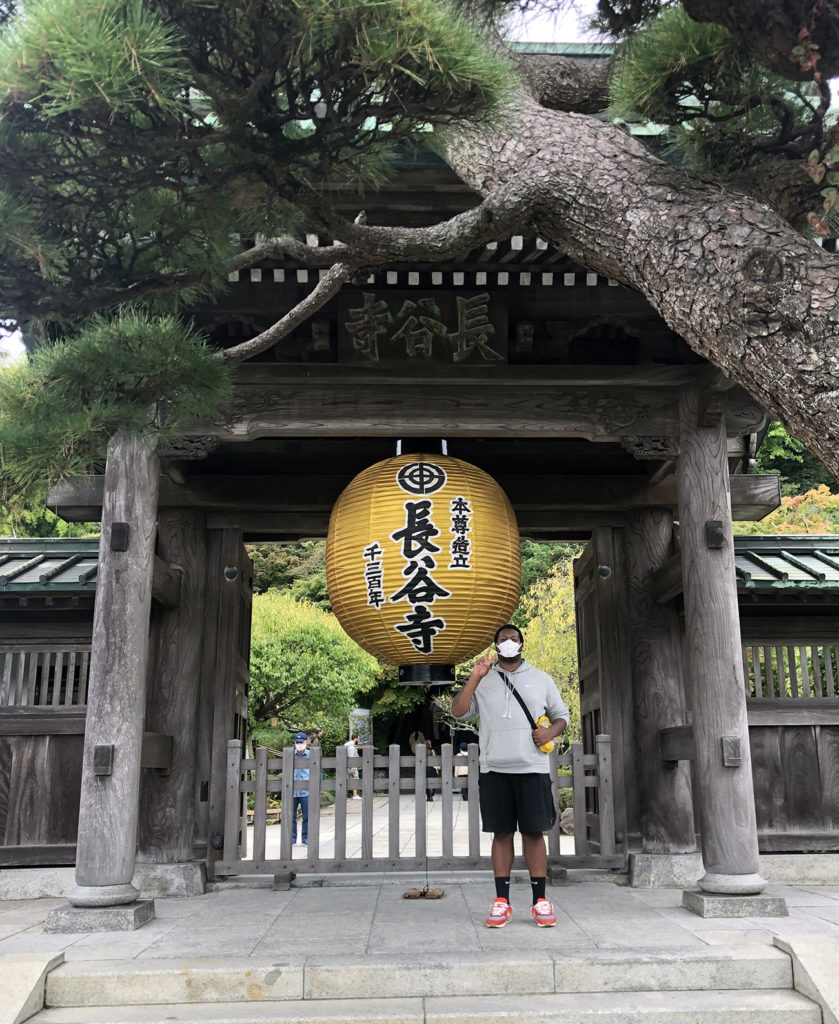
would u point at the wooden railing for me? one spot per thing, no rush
(42, 675)
(801, 669)
(393, 805)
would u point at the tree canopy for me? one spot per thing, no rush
(148, 149)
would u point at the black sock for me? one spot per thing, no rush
(538, 887)
(502, 888)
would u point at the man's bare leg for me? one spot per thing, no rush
(502, 854)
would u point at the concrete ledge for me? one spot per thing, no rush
(172, 982)
(706, 904)
(814, 970)
(126, 917)
(36, 883)
(800, 868)
(23, 978)
(665, 871)
(158, 880)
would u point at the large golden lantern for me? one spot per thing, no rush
(423, 563)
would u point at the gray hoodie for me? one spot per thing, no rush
(504, 734)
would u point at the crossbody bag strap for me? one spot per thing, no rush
(518, 697)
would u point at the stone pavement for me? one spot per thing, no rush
(334, 915)
(333, 918)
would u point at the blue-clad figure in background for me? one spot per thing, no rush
(301, 796)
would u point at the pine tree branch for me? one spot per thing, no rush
(328, 286)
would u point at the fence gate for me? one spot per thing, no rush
(389, 831)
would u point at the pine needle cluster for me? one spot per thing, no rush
(724, 111)
(137, 137)
(134, 372)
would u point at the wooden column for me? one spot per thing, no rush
(717, 690)
(666, 803)
(108, 807)
(168, 792)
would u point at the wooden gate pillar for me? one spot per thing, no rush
(725, 802)
(109, 802)
(666, 804)
(168, 790)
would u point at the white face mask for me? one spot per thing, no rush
(508, 648)
(300, 746)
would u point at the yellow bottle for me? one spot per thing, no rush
(544, 720)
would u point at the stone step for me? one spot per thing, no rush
(232, 979)
(768, 1006)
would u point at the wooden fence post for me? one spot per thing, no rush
(109, 805)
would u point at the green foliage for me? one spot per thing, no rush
(299, 568)
(799, 470)
(132, 373)
(815, 512)
(21, 519)
(389, 701)
(537, 561)
(723, 109)
(305, 671)
(550, 637)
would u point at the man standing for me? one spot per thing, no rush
(352, 770)
(514, 781)
(300, 797)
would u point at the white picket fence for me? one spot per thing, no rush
(383, 785)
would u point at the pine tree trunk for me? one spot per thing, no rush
(742, 288)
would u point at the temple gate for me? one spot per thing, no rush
(597, 420)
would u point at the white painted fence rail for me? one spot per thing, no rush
(393, 787)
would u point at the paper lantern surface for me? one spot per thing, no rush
(423, 562)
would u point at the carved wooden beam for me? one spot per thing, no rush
(80, 499)
(610, 405)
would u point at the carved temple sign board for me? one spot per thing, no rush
(383, 326)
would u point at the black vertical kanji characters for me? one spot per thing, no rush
(374, 575)
(418, 530)
(460, 547)
(420, 627)
(420, 588)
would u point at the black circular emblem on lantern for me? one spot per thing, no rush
(421, 478)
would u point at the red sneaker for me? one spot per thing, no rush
(499, 913)
(543, 913)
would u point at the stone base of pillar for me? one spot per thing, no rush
(665, 870)
(158, 880)
(732, 885)
(705, 904)
(103, 895)
(126, 918)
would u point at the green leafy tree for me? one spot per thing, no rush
(814, 512)
(551, 637)
(298, 568)
(799, 470)
(306, 673)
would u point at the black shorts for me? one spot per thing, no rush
(516, 803)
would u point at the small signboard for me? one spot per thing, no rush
(405, 327)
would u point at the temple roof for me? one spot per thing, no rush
(48, 564)
(783, 562)
(787, 562)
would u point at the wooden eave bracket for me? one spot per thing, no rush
(166, 584)
(667, 581)
(712, 405)
(676, 743)
(157, 751)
